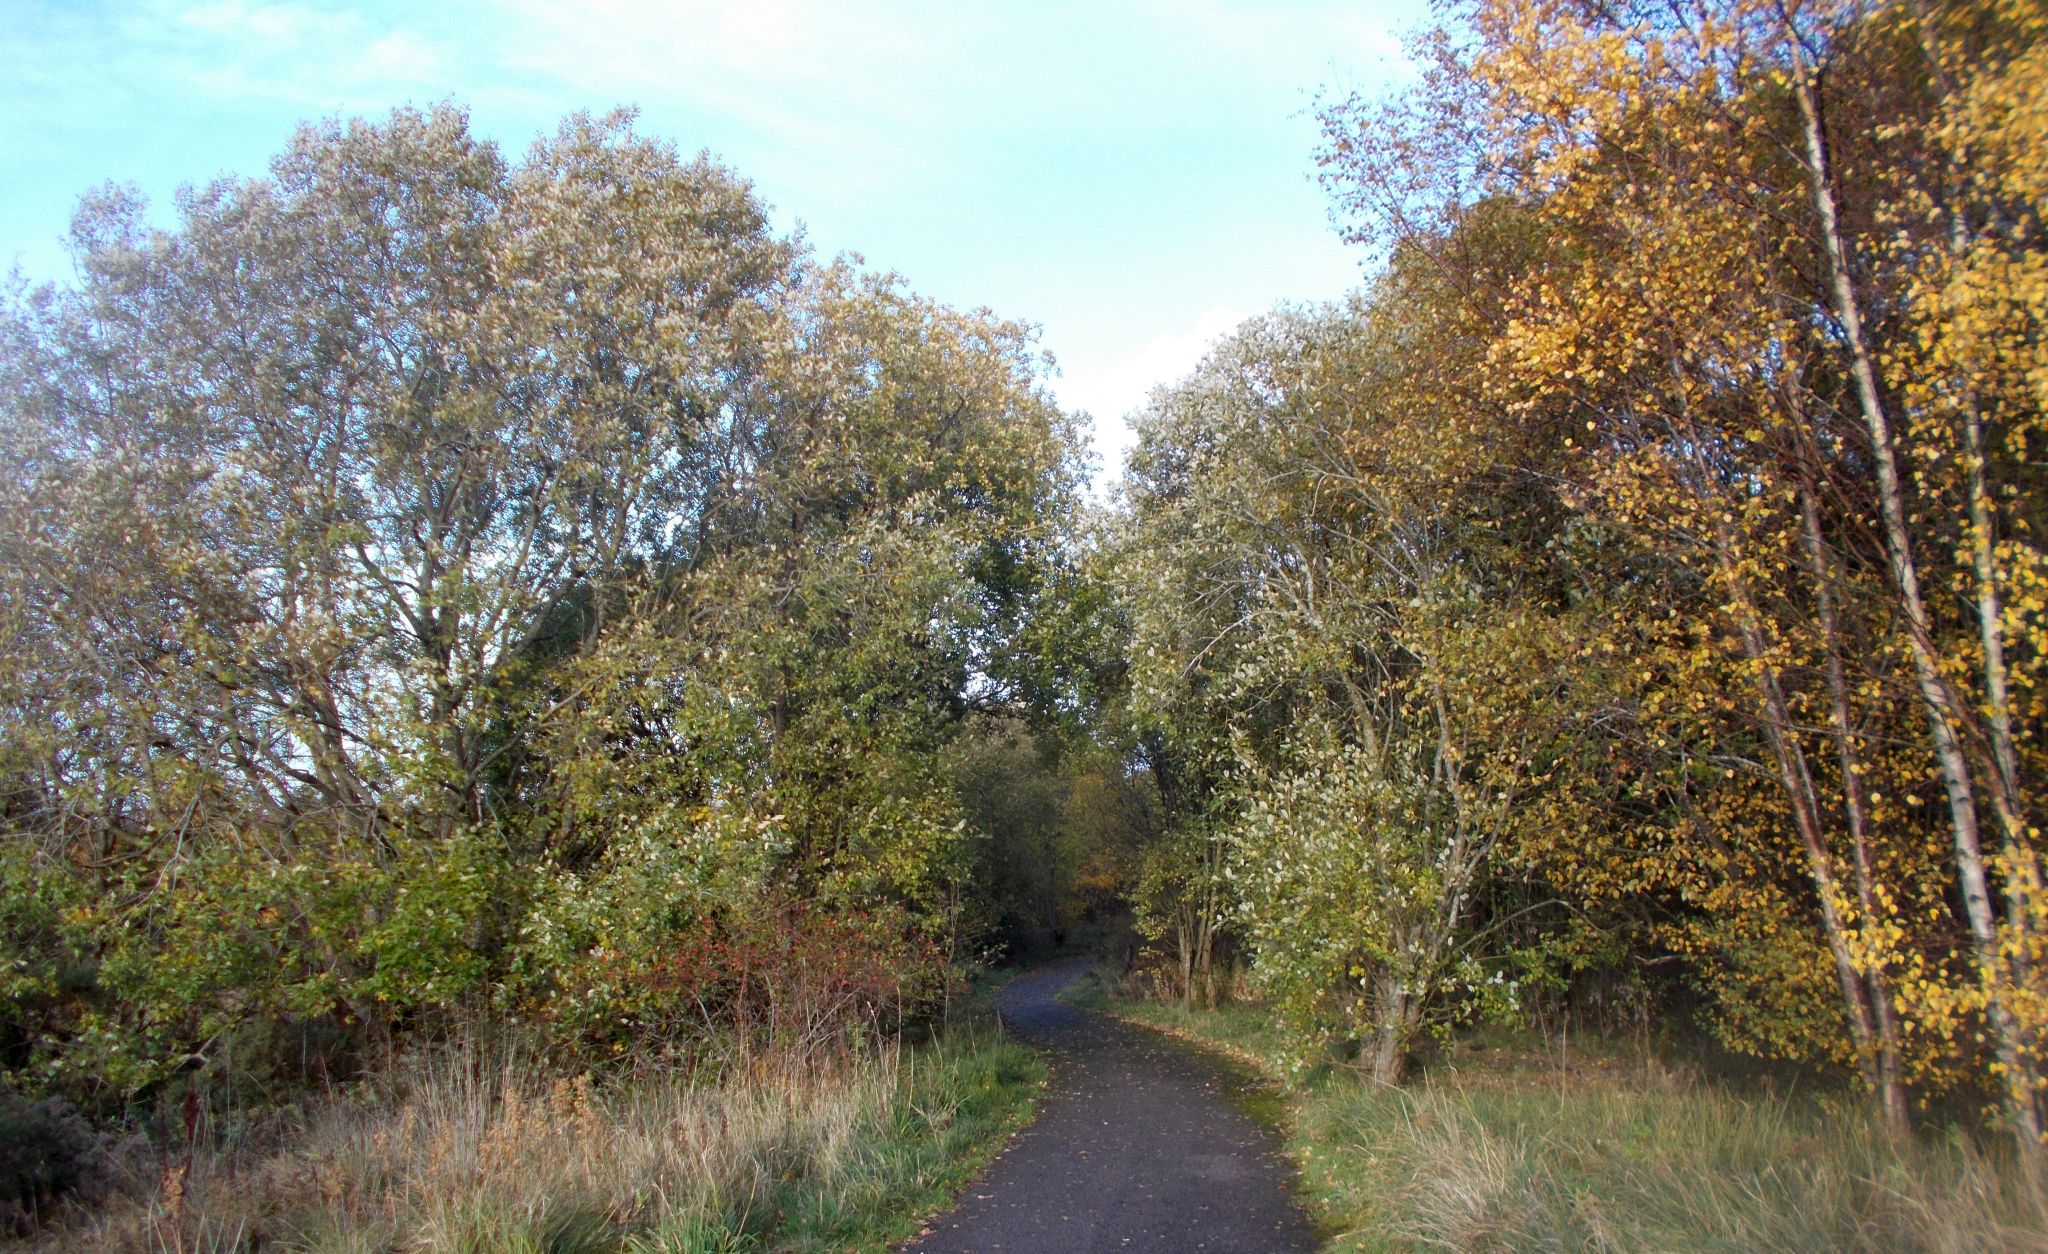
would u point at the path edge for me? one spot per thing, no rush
(1284, 1120)
(926, 1223)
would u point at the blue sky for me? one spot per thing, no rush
(1132, 176)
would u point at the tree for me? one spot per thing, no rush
(1330, 582)
(434, 581)
(1730, 310)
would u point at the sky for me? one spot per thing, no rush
(1133, 176)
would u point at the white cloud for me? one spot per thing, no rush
(775, 55)
(1110, 393)
(815, 93)
(401, 56)
(1060, 159)
(1286, 42)
(269, 23)
(309, 57)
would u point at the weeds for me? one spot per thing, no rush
(1517, 1151)
(1609, 1162)
(464, 1149)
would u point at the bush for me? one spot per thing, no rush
(47, 1152)
(782, 978)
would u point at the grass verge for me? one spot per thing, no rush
(1507, 1148)
(458, 1152)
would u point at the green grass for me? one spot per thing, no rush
(1510, 1148)
(944, 1126)
(456, 1153)
(1238, 1028)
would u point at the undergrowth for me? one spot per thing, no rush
(460, 1150)
(1519, 1149)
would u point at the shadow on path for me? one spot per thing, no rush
(1137, 1148)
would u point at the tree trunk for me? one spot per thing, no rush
(2005, 762)
(1205, 967)
(1889, 1076)
(1797, 781)
(2019, 1071)
(1184, 943)
(1387, 1046)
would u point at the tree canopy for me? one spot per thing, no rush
(437, 585)
(433, 580)
(1641, 571)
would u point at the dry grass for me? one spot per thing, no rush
(1607, 1163)
(462, 1153)
(1515, 1150)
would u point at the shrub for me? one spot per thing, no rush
(47, 1152)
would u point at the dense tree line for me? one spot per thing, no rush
(439, 588)
(1644, 569)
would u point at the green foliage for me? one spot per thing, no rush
(436, 584)
(474, 1147)
(1509, 1143)
(1341, 878)
(46, 1152)
(1057, 828)
(1026, 856)
(1562, 608)
(1345, 637)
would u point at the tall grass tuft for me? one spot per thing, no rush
(1610, 1162)
(474, 1149)
(1512, 1150)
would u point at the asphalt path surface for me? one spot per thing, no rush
(1137, 1148)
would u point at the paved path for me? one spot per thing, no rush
(1136, 1149)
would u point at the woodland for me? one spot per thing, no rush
(460, 605)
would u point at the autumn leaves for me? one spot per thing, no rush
(1654, 543)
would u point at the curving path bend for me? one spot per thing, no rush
(1137, 1149)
